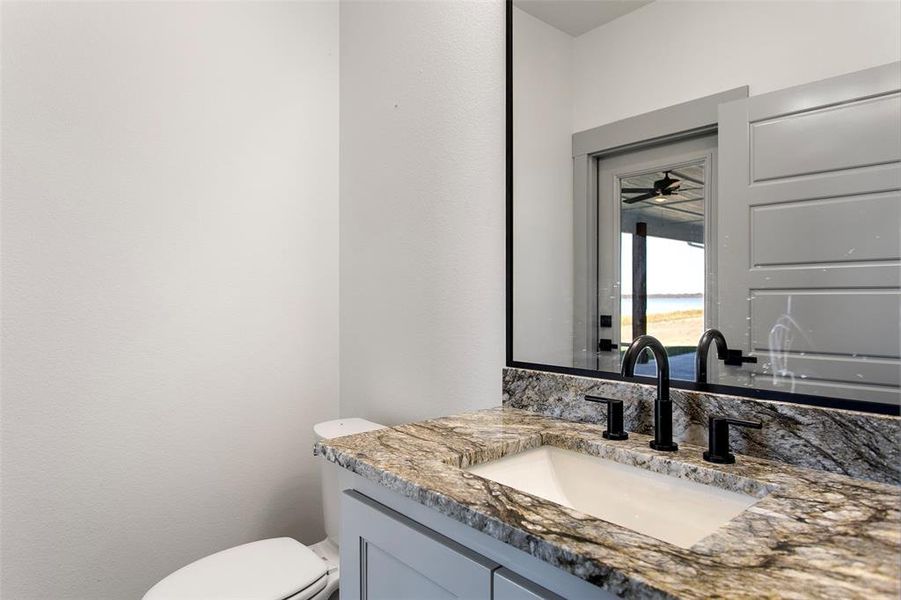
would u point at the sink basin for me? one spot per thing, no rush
(678, 511)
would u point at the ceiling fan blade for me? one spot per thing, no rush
(639, 198)
(636, 190)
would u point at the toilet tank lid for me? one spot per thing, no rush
(271, 569)
(339, 427)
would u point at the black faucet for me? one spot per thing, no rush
(732, 358)
(663, 407)
(708, 337)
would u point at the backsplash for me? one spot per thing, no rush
(852, 443)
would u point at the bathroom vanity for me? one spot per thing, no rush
(426, 516)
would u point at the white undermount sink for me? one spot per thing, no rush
(678, 511)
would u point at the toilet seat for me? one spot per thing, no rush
(273, 569)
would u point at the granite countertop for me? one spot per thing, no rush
(811, 535)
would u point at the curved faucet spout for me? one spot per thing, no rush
(663, 407)
(630, 358)
(722, 351)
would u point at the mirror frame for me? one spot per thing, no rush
(763, 394)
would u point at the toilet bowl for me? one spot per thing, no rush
(277, 568)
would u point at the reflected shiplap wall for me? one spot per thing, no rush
(422, 207)
(170, 288)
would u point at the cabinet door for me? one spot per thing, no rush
(510, 586)
(386, 556)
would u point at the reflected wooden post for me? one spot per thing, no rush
(640, 281)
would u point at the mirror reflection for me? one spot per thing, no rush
(661, 263)
(744, 178)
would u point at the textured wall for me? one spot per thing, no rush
(169, 284)
(422, 207)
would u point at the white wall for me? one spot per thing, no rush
(422, 207)
(543, 175)
(709, 47)
(170, 282)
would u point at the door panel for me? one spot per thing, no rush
(804, 142)
(824, 368)
(836, 322)
(792, 383)
(809, 248)
(386, 556)
(390, 579)
(780, 233)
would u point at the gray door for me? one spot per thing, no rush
(386, 556)
(809, 246)
(612, 171)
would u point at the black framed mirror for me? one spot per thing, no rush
(667, 188)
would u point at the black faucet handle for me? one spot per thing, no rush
(734, 358)
(718, 438)
(614, 429)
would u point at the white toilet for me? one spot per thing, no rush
(274, 569)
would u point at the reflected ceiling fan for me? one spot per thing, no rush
(662, 187)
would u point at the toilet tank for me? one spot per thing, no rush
(331, 494)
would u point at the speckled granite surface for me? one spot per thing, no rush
(811, 535)
(856, 444)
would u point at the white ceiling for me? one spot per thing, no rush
(575, 17)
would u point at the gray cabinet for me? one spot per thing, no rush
(386, 556)
(393, 548)
(510, 586)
